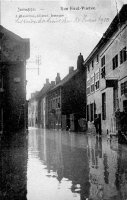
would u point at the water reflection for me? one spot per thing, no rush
(13, 167)
(62, 162)
(74, 166)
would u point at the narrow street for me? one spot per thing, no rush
(61, 165)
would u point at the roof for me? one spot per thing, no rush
(119, 19)
(14, 48)
(43, 91)
(10, 34)
(65, 79)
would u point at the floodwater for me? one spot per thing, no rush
(56, 165)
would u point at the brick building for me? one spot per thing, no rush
(67, 100)
(53, 105)
(14, 51)
(61, 104)
(107, 76)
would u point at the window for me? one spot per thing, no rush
(115, 62)
(92, 84)
(92, 88)
(88, 68)
(103, 67)
(59, 102)
(123, 55)
(125, 105)
(97, 80)
(97, 85)
(124, 88)
(92, 64)
(97, 58)
(56, 103)
(88, 86)
(103, 106)
(103, 61)
(88, 90)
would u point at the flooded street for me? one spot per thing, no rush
(53, 165)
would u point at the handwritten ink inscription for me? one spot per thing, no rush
(34, 16)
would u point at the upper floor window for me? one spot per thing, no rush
(88, 86)
(115, 62)
(92, 64)
(58, 102)
(123, 55)
(124, 88)
(103, 67)
(125, 106)
(103, 61)
(97, 58)
(97, 80)
(92, 84)
(88, 68)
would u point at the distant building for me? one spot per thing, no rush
(33, 110)
(42, 104)
(107, 77)
(61, 104)
(67, 100)
(14, 51)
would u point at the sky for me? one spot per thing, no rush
(58, 32)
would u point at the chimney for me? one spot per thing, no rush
(52, 83)
(47, 82)
(58, 79)
(71, 69)
(80, 61)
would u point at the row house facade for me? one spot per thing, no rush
(61, 104)
(14, 51)
(53, 102)
(67, 100)
(42, 104)
(107, 77)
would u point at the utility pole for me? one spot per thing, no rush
(37, 62)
